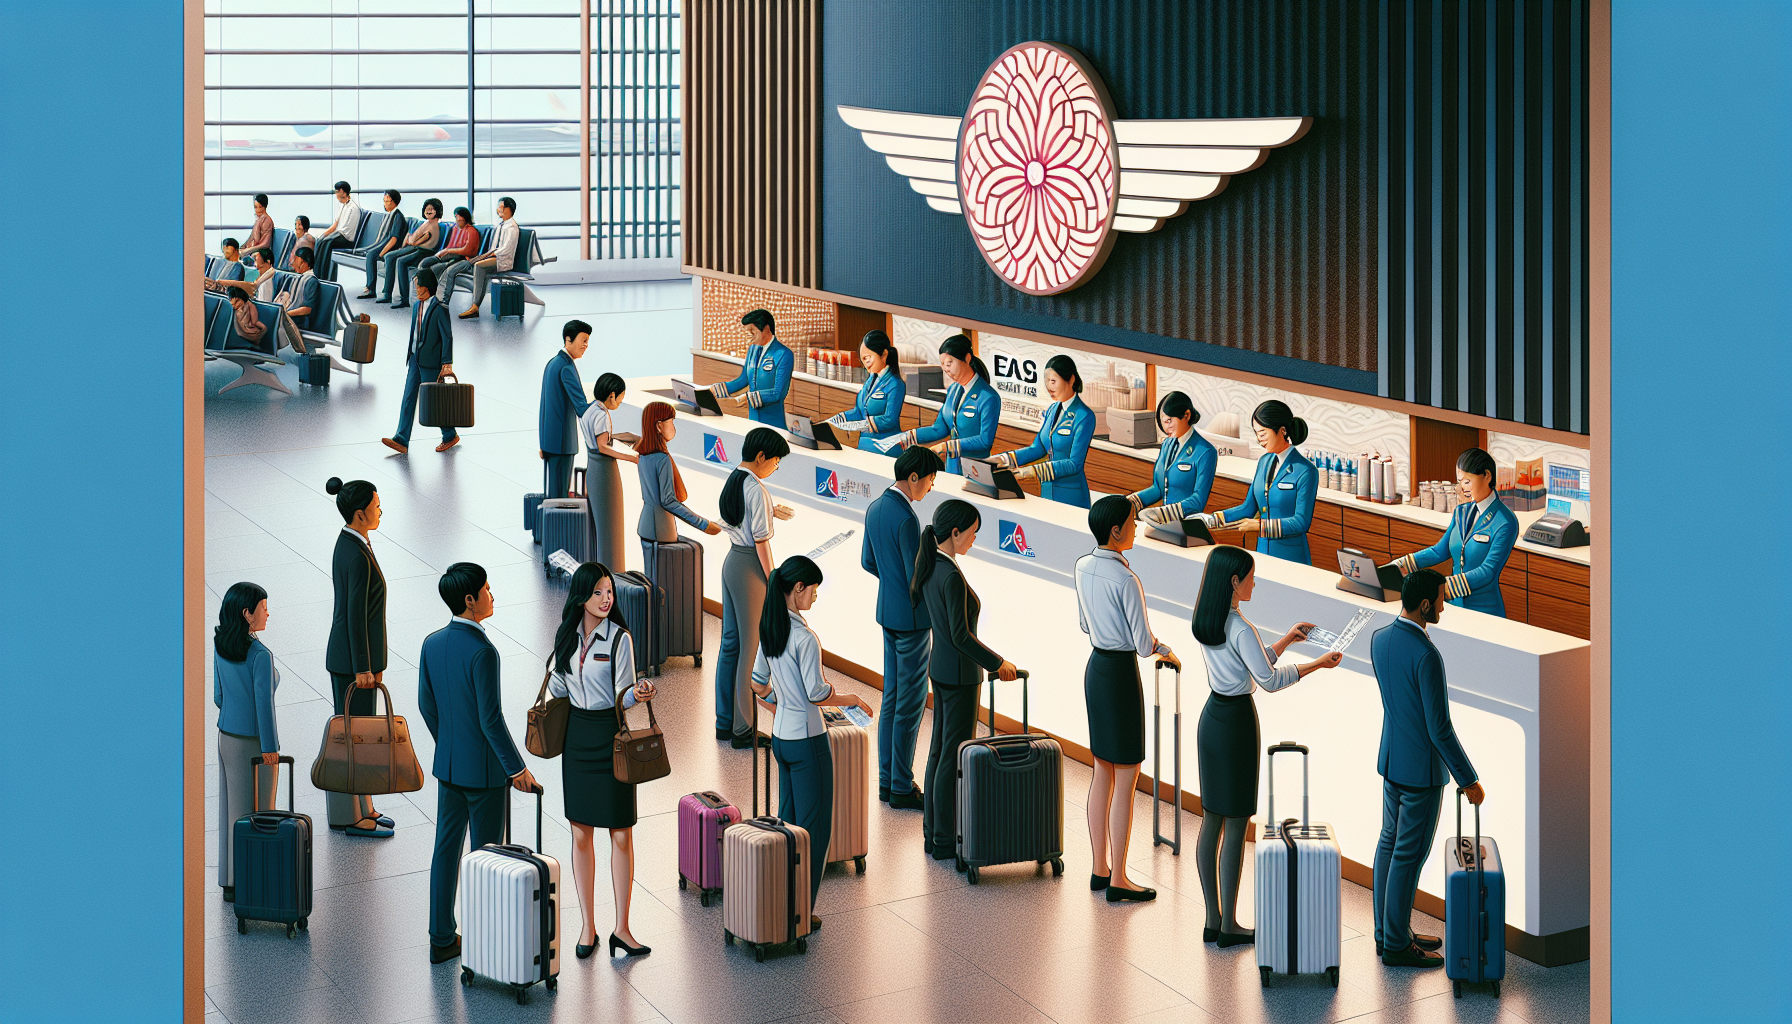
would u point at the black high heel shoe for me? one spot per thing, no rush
(583, 951)
(627, 950)
(1244, 938)
(1116, 894)
(1210, 935)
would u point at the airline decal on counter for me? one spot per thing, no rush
(1014, 540)
(827, 484)
(1044, 174)
(713, 450)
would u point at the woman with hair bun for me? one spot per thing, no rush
(1478, 542)
(1055, 458)
(966, 424)
(243, 683)
(1186, 462)
(1279, 505)
(356, 657)
(877, 413)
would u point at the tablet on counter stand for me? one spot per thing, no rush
(807, 433)
(987, 479)
(1186, 533)
(1360, 575)
(700, 400)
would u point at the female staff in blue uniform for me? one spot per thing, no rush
(1055, 458)
(1185, 466)
(967, 421)
(877, 413)
(1279, 505)
(1478, 542)
(765, 376)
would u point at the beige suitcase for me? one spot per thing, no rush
(765, 876)
(851, 749)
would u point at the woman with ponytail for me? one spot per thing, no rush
(356, 656)
(956, 665)
(966, 424)
(787, 677)
(747, 517)
(1279, 505)
(877, 413)
(1055, 458)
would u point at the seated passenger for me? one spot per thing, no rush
(263, 231)
(248, 321)
(301, 235)
(298, 301)
(500, 260)
(342, 230)
(417, 244)
(232, 270)
(453, 258)
(389, 239)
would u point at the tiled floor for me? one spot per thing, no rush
(908, 941)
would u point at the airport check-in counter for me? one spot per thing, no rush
(1519, 694)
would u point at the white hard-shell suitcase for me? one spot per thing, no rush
(510, 912)
(1299, 910)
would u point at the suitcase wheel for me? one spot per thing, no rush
(1331, 975)
(759, 954)
(466, 976)
(292, 929)
(971, 874)
(681, 884)
(958, 862)
(522, 995)
(1265, 972)
(553, 983)
(727, 937)
(1457, 987)
(703, 898)
(698, 660)
(802, 945)
(242, 926)
(859, 862)
(1057, 867)
(304, 924)
(1496, 990)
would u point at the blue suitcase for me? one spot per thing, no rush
(1474, 909)
(509, 298)
(531, 515)
(642, 607)
(273, 863)
(314, 369)
(564, 527)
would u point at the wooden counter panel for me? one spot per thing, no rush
(1327, 512)
(1517, 601)
(1541, 584)
(705, 370)
(1368, 542)
(1363, 520)
(1567, 572)
(1330, 531)
(1411, 536)
(1225, 494)
(1562, 616)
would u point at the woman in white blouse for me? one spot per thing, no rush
(1228, 741)
(592, 664)
(748, 513)
(603, 483)
(787, 676)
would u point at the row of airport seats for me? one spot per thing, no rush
(319, 329)
(526, 243)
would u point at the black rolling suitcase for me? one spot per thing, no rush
(445, 403)
(532, 514)
(314, 369)
(1010, 797)
(272, 850)
(509, 299)
(643, 610)
(678, 572)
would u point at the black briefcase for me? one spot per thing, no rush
(445, 403)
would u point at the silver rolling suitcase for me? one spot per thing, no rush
(510, 912)
(1299, 910)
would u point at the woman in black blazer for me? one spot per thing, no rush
(356, 657)
(956, 665)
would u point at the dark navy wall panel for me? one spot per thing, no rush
(1274, 275)
(1701, 706)
(91, 515)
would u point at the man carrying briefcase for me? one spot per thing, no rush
(429, 356)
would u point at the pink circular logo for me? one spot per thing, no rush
(1037, 172)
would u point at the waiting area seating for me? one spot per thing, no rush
(223, 342)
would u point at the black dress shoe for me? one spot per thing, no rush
(1411, 956)
(1098, 882)
(627, 950)
(941, 852)
(1245, 938)
(1210, 935)
(724, 734)
(368, 294)
(1119, 895)
(909, 801)
(443, 954)
(230, 894)
(883, 793)
(1427, 942)
(743, 742)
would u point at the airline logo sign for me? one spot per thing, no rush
(831, 485)
(713, 449)
(1015, 376)
(1014, 540)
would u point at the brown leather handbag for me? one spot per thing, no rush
(547, 722)
(640, 754)
(367, 754)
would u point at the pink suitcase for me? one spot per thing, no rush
(702, 818)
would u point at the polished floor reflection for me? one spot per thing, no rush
(908, 941)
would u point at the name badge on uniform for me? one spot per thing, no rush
(600, 657)
(1184, 468)
(1286, 486)
(1064, 431)
(877, 394)
(970, 413)
(768, 365)
(1483, 538)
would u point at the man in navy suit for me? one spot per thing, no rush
(430, 355)
(1419, 754)
(562, 403)
(892, 536)
(458, 691)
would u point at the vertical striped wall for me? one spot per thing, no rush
(752, 153)
(1483, 214)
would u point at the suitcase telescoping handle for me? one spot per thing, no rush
(1157, 757)
(1472, 856)
(1289, 747)
(256, 764)
(768, 765)
(1025, 726)
(539, 797)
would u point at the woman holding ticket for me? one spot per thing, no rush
(967, 421)
(1055, 458)
(1185, 466)
(1228, 742)
(1478, 542)
(877, 413)
(1278, 507)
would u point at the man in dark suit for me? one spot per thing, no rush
(892, 536)
(460, 696)
(430, 356)
(1419, 754)
(562, 403)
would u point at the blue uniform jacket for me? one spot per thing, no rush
(1289, 503)
(432, 335)
(1475, 562)
(1065, 430)
(892, 537)
(459, 694)
(967, 422)
(1418, 743)
(1183, 476)
(880, 401)
(563, 401)
(766, 376)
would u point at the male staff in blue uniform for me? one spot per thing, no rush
(1419, 754)
(766, 374)
(430, 355)
(892, 537)
(562, 403)
(1478, 542)
(460, 695)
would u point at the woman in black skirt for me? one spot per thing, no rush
(594, 665)
(1228, 741)
(1110, 604)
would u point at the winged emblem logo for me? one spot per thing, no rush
(1045, 175)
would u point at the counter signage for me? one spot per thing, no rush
(831, 485)
(713, 449)
(1014, 540)
(1015, 376)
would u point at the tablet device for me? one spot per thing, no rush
(1187, 533)
(982, 477)
(810, 434)
(1358, 574)
(700, 399)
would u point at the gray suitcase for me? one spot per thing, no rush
(564, 527)
(1010, 797)
(359, 339)
(642, 607)
(678, 573)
